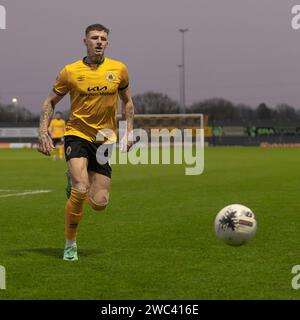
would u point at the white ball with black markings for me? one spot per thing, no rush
(235, 224)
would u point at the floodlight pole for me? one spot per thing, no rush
(182, 102)
(180, 86)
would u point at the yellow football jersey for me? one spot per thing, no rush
(57, 128)
(94, 96)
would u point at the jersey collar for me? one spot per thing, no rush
(89, 64)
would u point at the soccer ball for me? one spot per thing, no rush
(235, 224)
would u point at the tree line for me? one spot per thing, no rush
(13, 113)
(217, 109)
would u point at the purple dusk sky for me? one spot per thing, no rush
(242, 50)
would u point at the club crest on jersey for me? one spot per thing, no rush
(110, 76)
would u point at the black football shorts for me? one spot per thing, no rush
(57, 141)
(76, 147)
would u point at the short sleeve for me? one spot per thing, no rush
(61, 86)
(124, 78)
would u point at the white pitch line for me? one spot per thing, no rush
(24, 193)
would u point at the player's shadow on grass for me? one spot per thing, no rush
(54, 252)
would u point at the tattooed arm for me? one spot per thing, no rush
(128, 115)
(45, 141)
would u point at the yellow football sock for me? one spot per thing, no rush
(60, 151)
(73, 213)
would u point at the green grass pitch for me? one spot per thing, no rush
(156, 239)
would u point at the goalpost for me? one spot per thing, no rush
(164, 124)
(189, 118)
(166, 139)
